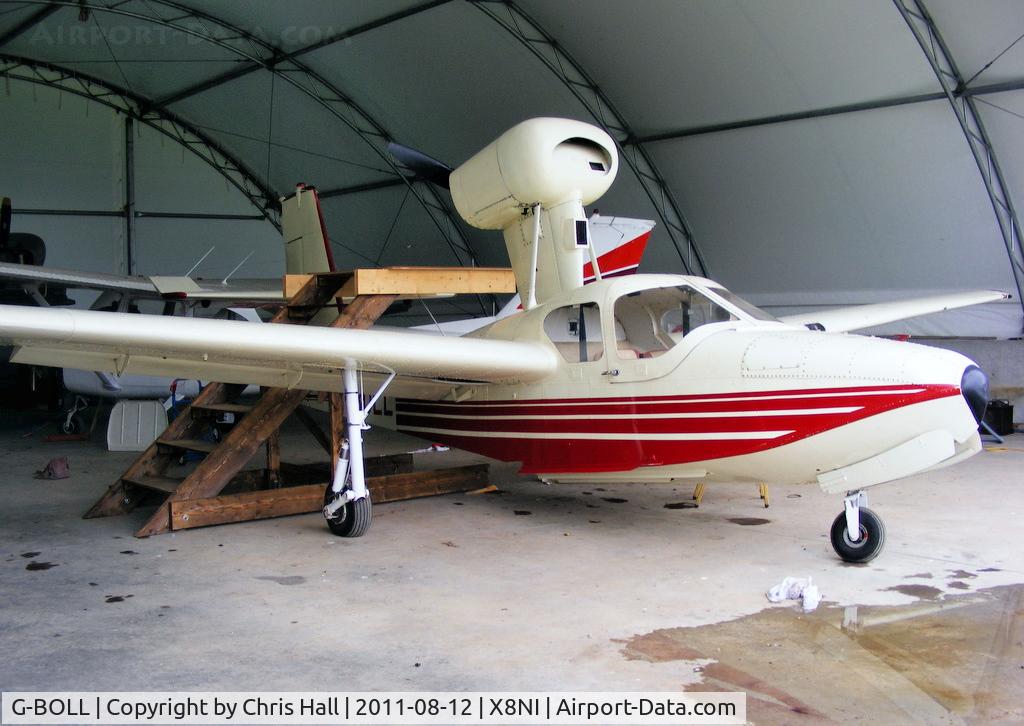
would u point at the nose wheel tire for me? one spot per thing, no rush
(73, 425)
(353, 519)
(872, 537)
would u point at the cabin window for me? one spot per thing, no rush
(650, 322)
(575, 331)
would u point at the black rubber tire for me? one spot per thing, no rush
(75, 426)
(872, 537)
(352, 520)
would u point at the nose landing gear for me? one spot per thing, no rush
(858, 534)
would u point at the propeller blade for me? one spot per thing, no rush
(423, 166)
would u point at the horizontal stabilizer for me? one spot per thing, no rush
(858, 317)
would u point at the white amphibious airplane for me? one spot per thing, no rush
(619, 243)
(645, 378)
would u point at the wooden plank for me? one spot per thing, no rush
(416, 281)
(311, 291)
(236, 408)
(399, 487)
(117, 499)
(274, 459)
(363, 312)
(247, 506)
(321, 471)
(430, 281)
(200, 445)
(158, 483)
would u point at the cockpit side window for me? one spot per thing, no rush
(650, 322)
(576, 332)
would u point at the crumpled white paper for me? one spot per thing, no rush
(796, 588)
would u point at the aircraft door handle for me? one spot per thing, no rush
(612, 372)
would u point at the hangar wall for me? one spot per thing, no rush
(843, 208)
(62, 152)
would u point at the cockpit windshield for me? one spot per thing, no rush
(650, 322)
(749, 308)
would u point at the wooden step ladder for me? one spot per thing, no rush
(258, 427)
(194, 501)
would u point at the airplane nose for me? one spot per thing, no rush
(974, 387)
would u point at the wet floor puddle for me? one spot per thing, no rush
(958, 654)
(749, 521)
(284, 579)
(37, 566)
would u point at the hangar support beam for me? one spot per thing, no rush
(270, 61)
(749, 123)
(544, 46)
(952, 81)
(194, 23)
(160, 120)
(27, 24)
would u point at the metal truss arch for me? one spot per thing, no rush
(548, 50)
(208, 28)
(921, 24)
(161, 120)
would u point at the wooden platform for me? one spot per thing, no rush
(418, 281)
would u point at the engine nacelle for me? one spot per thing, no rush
(546, 161)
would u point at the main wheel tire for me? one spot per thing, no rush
(872, 537)
(352, 520)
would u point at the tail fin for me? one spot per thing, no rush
(619, 243)
(307, 247)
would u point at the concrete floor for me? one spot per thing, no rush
(533, 588)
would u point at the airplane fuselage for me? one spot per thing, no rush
(665, 377)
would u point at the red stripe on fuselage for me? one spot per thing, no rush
(568, 454)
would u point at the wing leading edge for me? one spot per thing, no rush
(857, 317)
(270, 355)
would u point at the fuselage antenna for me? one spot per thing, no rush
(225, 280)
(199, 262)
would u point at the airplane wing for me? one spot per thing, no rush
(230, 351)
(857, 317)
(142, 286)
(38, 275)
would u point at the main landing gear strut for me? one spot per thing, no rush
(857, 533)
(347, 506)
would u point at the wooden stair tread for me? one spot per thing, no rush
(223, 407)
(159, 483)
(190, 444)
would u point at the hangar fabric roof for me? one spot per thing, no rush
(803, 152)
